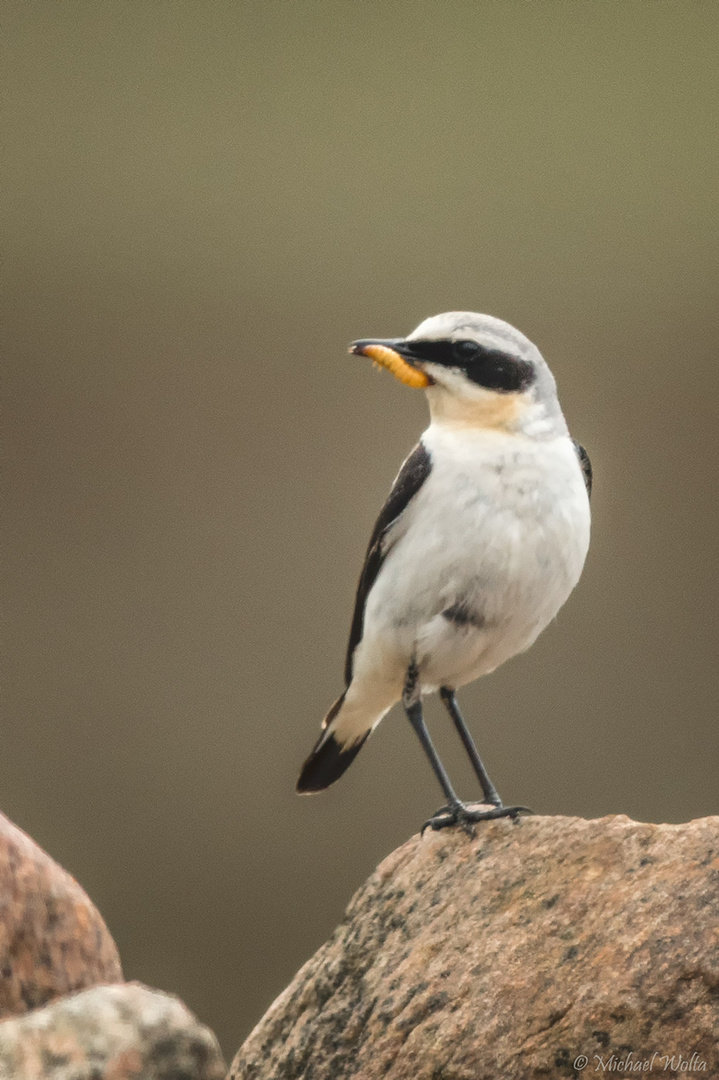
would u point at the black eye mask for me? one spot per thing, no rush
(491, 368)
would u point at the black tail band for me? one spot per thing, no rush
(326, 764)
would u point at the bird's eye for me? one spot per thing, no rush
(464, 351)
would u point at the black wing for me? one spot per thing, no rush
(586, 465)
(410, 478)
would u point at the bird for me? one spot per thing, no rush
(482, 539)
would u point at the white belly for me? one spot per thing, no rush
(498, 532)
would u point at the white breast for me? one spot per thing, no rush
(500, 526)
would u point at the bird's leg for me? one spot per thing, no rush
(465, 815)
(488, 789)
(413, 707)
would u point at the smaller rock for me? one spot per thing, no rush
(53, 940)
(123, 1032)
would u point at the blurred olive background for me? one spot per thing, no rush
(204, 204)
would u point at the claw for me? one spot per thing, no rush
(446, 815)
(462, 815)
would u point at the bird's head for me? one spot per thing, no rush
(477, 370)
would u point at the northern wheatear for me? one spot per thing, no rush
(482, 539)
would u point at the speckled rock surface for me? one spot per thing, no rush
(510, 955)
(110, 1033)
(52, 938)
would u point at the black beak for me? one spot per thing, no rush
(398, 345)
(394, 355)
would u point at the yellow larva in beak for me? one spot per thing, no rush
(386, 357)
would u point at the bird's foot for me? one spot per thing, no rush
(466, 815)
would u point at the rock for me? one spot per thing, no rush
(52, 939)
(511, 954)
(110, 1033)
